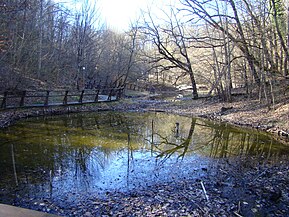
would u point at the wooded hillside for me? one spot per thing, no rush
(45, 45)
(215, 45)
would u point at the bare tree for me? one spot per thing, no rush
(200, 9)
(172, 45)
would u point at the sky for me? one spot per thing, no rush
(119, 14)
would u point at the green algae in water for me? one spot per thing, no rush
(92, 152)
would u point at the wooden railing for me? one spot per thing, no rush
(24, 99)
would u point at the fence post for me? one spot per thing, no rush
(4, 101)
(46, 98)
(96, 96)
(22, 98)
(65, 98)
(81, 96)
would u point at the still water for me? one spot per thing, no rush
(98, 152)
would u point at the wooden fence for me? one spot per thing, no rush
(24, 99)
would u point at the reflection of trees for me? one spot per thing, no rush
(14, 165)
(227, 141)
(51, 145)
(129, 159)
(218, 141)
(181, 147)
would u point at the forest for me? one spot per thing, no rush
(185, 113)
(217, 46)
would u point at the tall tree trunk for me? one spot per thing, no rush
(244, 48)
(194, 85)
(287, 64)
(282, 41)
(40, 40)
(228, 79)
(131, 53)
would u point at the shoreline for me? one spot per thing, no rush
(232, 113)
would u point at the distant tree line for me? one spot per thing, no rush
(222, 45)
(48, 43)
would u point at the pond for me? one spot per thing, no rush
(91, 153)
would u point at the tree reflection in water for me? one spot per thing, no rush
(87, 152)
(180, 145)
(216, 140)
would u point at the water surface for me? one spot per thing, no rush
(49, 157)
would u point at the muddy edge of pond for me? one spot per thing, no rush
(249, 114)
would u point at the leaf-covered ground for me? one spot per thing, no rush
(240, 187)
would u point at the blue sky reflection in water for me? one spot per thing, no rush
(95, 152)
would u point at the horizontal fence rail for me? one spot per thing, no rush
(24, 99)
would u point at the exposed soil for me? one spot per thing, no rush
(244, 186)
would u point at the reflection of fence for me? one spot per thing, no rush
(24, 99)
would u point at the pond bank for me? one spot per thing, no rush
(246, 113)
(240, 112)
